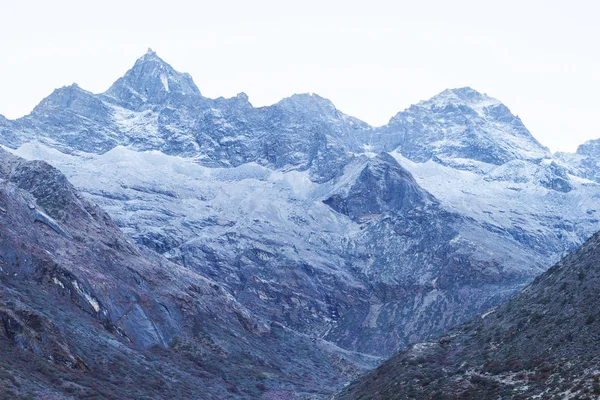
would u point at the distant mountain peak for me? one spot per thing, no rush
(150, 54)
(309, 103)
(307, 98)
(466, 93)
(151, 81)
(65, 97)
(463, 96)
(463, 124)
(152, 57)
(589, 148)
(242, 96)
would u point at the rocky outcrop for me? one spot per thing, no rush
(459, 124)
(107, 319)
(542, 342)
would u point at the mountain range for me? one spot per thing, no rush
(346, 237)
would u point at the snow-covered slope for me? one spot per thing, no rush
(585, 162)
(296, 258)
(460, 127)
(87, 313)
(368, 237)
(527, 200)
(370, 260)
(249, 227)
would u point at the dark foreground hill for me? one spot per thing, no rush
(84, 313)
(543, 343)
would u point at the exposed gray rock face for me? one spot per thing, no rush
(459, 124)
(298, 261)
(542, 342)
(151, 81)
(425, 274)
(110, 320)
(382, 186)
(585, 161)
(155, 107)
(367, 237)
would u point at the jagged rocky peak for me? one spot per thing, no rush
(151, 80)
(584, 162)
(67, 97)
(458, 125)
(481, 103)
(469, 100)
(589, 148)
(317, 109)
(380, 185)
(240, 102)
(243, 97)
(466, 101)
(464, 95)
(308, 103)
(66, 110)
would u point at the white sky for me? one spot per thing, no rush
(371, 58)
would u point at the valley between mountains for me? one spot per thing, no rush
(161, 244)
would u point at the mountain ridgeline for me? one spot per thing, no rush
(292, 245)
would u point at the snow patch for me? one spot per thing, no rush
(93, 302)
(485, 314)
(368, 151)
(165, 81)
(58, 282)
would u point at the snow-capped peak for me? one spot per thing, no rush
(308, 102)
(463, 124)
(311, 104)
(150, 55)
(65, 97)
(465, 96)
(151, 80)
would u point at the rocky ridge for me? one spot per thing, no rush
(542, 343)
(107, 319)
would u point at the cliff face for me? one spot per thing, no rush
(542, 342)
(109, 319)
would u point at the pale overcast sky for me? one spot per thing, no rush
(371, 58)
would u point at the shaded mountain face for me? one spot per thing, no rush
(107, 319)
(424, 271)
(368, 238)
(381, 186)
(68, 115)
(542, 342)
